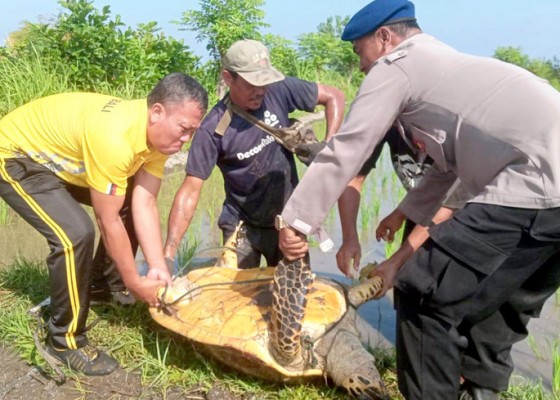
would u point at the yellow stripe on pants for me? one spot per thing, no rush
(68, 252)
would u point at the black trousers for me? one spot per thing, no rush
(470, 291)
(254, 243)
(46, 202)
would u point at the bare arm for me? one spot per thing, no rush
(182, 213)
(117, 243)
(389, 226)
(146, 223)
(388, 269)
(334, 101)
(348, 205)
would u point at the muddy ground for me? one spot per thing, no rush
(20, 381)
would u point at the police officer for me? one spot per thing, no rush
(497, 128)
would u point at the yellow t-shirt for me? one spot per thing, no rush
(87, 139)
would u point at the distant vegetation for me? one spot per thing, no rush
(87, 49)
(547, 69)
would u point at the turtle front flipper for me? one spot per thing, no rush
(292, 281)
(352, 367)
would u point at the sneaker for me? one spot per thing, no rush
(87, 360)
(104, 295)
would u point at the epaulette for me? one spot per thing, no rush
(396, 55)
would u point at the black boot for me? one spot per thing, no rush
(471, 391)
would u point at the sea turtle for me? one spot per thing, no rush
(278, 324)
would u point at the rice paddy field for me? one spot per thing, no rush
(166, 364)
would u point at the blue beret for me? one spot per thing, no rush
(376, 14)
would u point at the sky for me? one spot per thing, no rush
(472, 26)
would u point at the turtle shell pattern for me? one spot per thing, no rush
(230, 320)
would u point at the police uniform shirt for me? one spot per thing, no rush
(491, 124)
(87, 139)
(259, 174)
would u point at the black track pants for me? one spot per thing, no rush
(41, 198)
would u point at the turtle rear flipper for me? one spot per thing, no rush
(365, 291)
(352, 367)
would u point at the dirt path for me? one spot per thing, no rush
(19, 381)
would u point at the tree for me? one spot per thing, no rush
(326, 50)
(283, 55)
(219, 23)
(98, 50)
(546, 69)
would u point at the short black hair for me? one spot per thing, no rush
(176, 88)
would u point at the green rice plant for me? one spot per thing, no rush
(385, 179)
(527, 390)
(28, 78)
(366, 214)
(170, 184)
(212, 196)
(304, 70)
(127, 90)
(400, 193)
(556, 369)
(370, 203)
(185, 253)
(312, 241)
(392, 247)
(534, 347)
(6, 216)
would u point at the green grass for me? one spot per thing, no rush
(162, 358)
(556, 369)
(535, 348)
(6, 215)
(23, 80)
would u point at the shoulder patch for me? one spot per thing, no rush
(396, 55)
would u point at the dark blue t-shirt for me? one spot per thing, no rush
(259, 174)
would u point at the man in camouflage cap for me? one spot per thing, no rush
(259, 174)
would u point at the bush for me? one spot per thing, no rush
(99, 52)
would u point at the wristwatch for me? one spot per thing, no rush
(279, 223)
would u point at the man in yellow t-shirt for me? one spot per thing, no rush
(55, 150)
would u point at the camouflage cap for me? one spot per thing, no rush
(251, 60)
